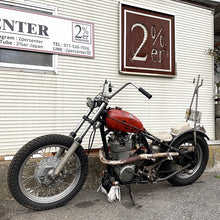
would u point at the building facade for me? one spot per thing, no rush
(44, 89)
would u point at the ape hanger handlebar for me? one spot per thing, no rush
(107, 88)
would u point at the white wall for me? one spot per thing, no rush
(34, 104)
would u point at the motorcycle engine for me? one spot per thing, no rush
(120, 144)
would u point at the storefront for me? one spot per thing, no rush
(217, 71)
(53, 54)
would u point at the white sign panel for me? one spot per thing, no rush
(45, 33)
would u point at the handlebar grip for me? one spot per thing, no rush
(148, 95)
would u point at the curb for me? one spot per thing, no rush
(214, 156)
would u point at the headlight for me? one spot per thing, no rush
(90, 103)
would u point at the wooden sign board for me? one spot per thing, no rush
(147, 42)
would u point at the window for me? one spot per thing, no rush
(22, 59)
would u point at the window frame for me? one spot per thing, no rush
(26, 67)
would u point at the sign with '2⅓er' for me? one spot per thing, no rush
(45, 33)
(147, 42)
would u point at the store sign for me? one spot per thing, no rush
(147, 42)
(45, 33)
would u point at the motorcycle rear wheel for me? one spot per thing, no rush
(28, 178)
(200, 155)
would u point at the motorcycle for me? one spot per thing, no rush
(50, 170)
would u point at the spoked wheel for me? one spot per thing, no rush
(195, 166)
(29, 176)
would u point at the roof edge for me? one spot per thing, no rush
(210, 5)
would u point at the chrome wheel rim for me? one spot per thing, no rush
(197, 156)
(36, 168)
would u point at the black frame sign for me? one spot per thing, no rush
(147, 42)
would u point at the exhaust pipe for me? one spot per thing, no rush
(169, 155)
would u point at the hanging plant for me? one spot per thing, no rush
(216, 54)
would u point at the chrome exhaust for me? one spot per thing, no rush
(139, 157)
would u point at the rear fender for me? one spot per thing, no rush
(191, 132)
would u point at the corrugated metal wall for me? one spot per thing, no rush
(34, 104)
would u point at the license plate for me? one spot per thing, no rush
(193, 115)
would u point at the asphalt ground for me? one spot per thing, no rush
(201, 200)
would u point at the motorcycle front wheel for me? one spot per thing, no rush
(28, 177)
(199, 155)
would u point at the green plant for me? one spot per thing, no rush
(216, 54)
(217, 176)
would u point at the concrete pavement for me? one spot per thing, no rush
(200, 200)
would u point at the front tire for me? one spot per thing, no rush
(199, 155)
(28, 179)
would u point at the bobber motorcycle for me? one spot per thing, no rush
(50, 170)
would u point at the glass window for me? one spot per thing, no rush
(27, 59)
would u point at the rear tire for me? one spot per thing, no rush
(28, 178)
(200, 157)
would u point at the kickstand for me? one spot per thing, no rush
(132, 197)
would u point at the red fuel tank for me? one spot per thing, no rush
(120, 120)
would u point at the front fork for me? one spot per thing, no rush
(78, 141)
